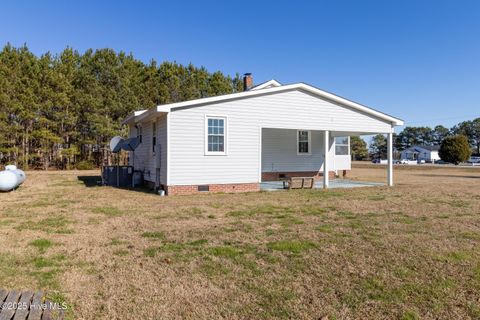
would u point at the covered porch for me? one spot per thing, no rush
(287, 153)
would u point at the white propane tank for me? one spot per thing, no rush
(10, 167)
(21, 176)
(8, 180)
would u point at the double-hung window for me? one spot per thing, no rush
(216, 129)
(304, 142)
(342, 146)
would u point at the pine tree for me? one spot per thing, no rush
(358, 148)
(56, 110)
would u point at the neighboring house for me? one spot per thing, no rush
(233, 142)
(421, 152)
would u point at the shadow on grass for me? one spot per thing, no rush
(96, 181)
(91, 181)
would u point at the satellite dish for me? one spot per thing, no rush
(116, 144)
(130, 144)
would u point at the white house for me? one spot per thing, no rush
(421, 152)
(233, 142)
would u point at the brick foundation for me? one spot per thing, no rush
(213, 188)
(274, 176)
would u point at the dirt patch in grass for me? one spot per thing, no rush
(408, 252)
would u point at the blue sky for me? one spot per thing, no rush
(418, 60)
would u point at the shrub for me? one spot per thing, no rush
(85, 165)
(455, 149)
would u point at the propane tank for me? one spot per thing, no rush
(8, 180)
(21, 176)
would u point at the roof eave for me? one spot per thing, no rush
(150, 112)
(133, 117)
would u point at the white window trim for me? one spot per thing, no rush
(225, 135)
(309, 153)
(335, 147)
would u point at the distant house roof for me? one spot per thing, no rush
(423, 147)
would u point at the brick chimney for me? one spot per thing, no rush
(247, 81)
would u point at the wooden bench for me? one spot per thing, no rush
(28, 305)
(300, 183)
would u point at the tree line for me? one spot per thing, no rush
(62, 109)
(411, 136)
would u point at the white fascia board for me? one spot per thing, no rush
(138, 116)
(163, 108)
(137, 113)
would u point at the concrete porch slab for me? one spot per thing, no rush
(335, 183)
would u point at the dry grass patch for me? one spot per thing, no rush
(108, 211)
(292, 246)
(408, 252)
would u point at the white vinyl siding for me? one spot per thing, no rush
(162, 145)
(146, 160)
(292, 110)
(287, 110)
(279, 152)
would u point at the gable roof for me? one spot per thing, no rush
(270, 90)
(267, 84)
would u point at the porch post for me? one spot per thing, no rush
(326, 166)
(390, 158)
